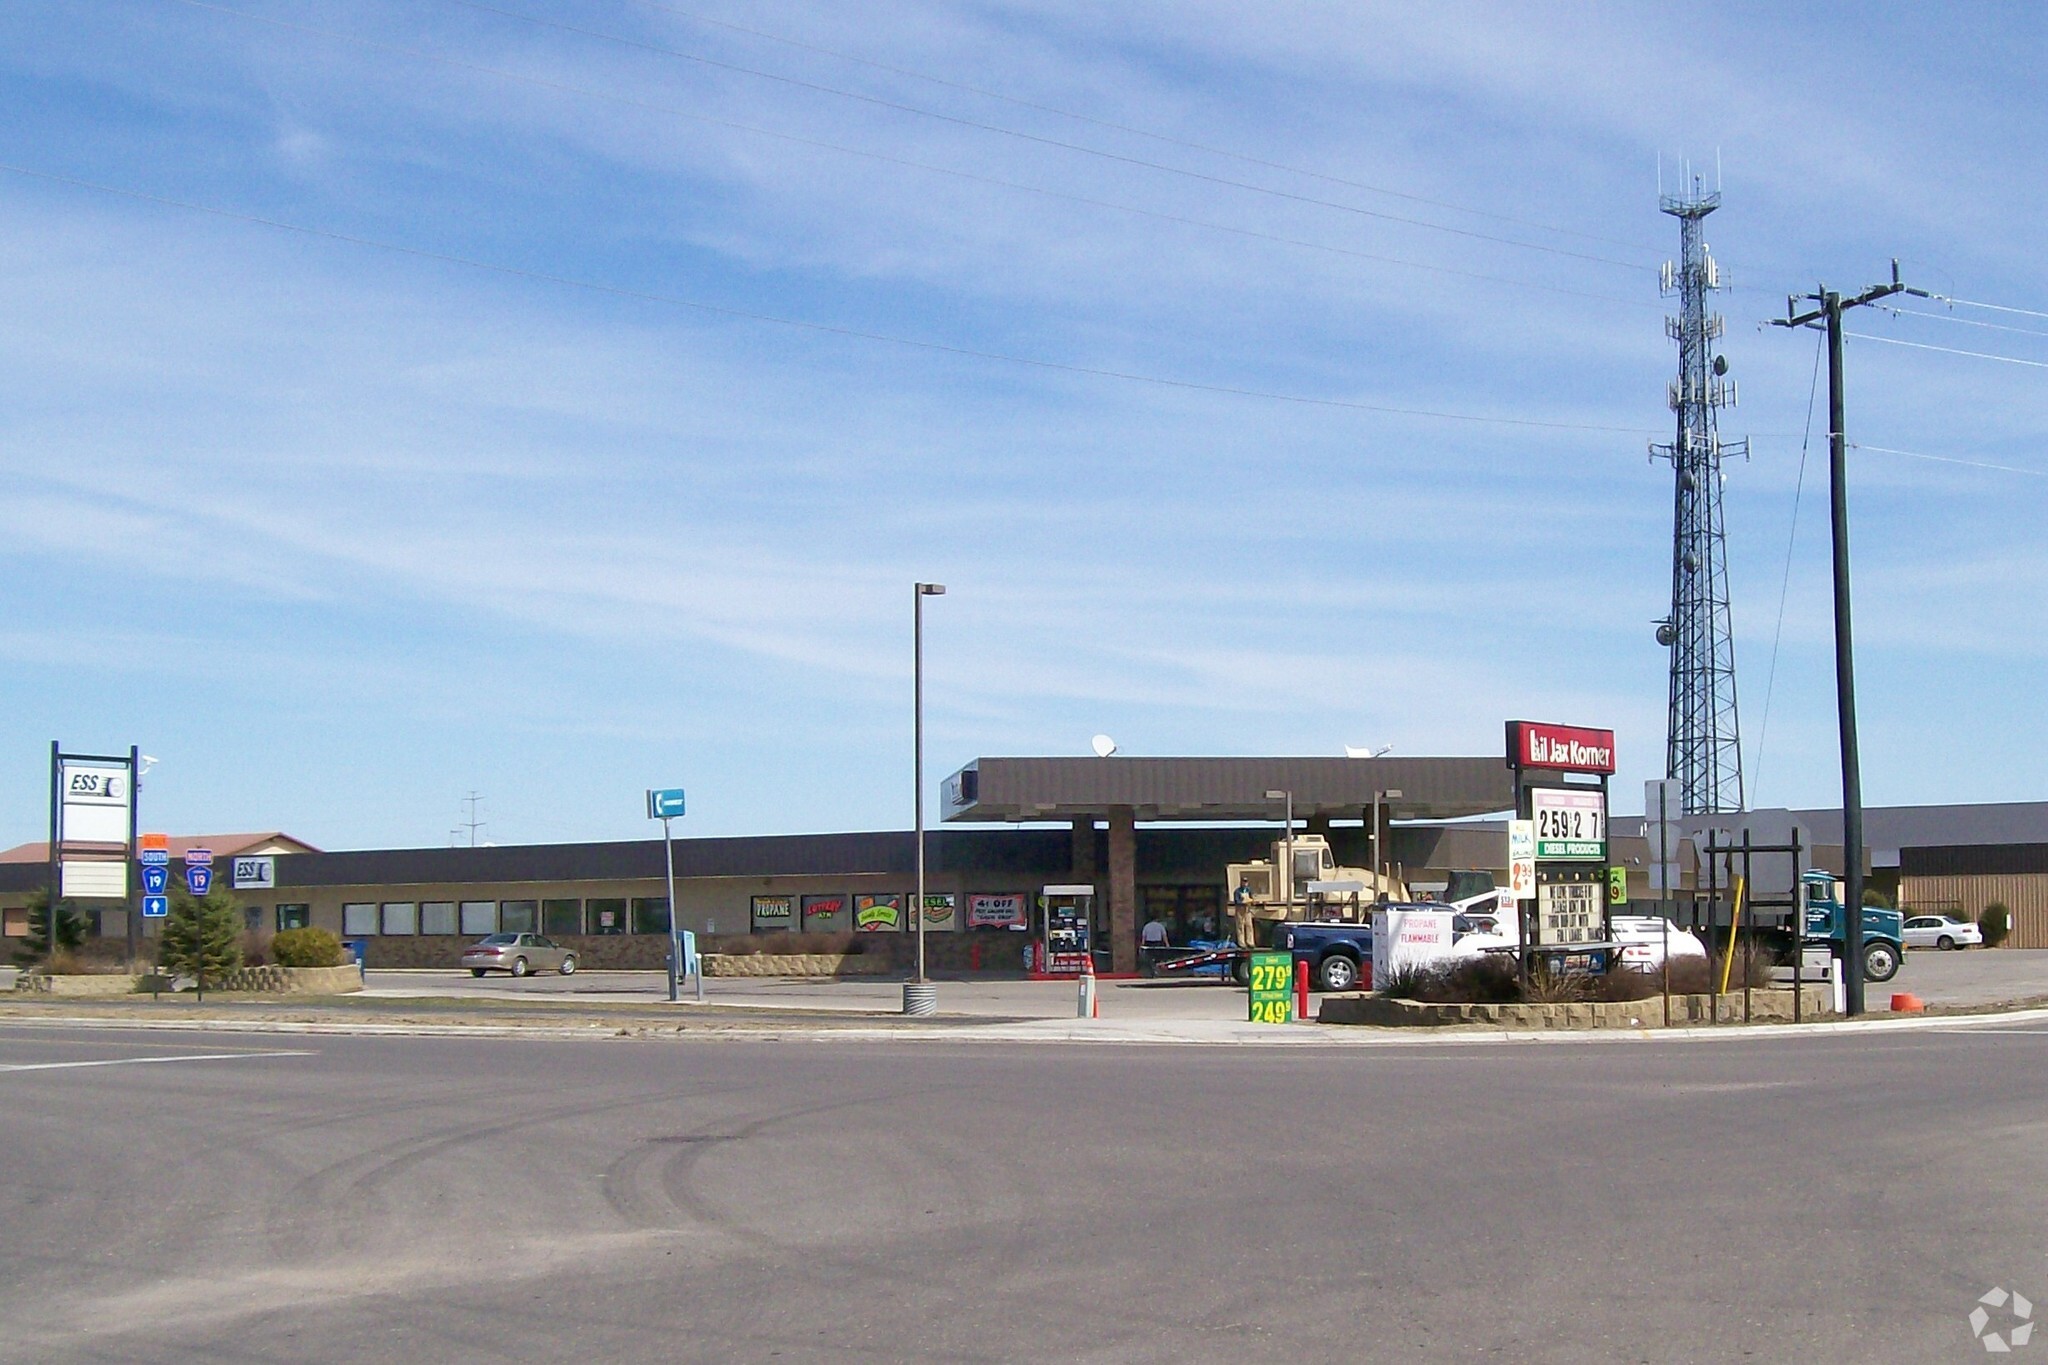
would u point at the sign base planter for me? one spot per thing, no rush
(1766, 1006)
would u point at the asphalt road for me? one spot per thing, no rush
(400, 1199)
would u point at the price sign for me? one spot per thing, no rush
(1570, 912)
(1570, 824)
(1522, 859)
(1272, 982)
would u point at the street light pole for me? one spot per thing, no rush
(919, 591)
(1286, 846)
(675, 938)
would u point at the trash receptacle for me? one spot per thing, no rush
(354, 948)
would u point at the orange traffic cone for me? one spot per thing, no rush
(1907, 1003)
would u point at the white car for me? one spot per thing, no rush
(1939, 931)
(1643, 937)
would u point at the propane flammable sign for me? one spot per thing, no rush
(1272, 983)
(1570, 824)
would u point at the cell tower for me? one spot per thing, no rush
(1703, 747)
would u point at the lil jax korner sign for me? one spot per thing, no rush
(1566, 748)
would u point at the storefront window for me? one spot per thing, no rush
(772, 914)
(294, 916)
(401, 917)
(518, 917)
(650, 914)
(479, 918)
(605, 916)
(437, 917)
(826, 914)
(358, 920)
(561, 919)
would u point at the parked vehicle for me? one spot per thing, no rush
(1884, 945)
(1939, 931)
(1337, 954)
(1644, 938)
(518, 954)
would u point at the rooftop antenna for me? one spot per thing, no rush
(473, 824)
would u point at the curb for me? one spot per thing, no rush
(961, 1029)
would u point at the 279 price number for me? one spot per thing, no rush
(1272, 976)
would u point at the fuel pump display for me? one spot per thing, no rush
(1066, 917)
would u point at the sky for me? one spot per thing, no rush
(550, 399)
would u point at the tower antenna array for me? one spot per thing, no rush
(1703, 747)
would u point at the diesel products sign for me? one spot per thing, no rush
(874, 914)
(1564, 748)
(773, 912)
(996, 912)
(1570, 823)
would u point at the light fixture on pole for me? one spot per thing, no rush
(665, 804)
(1286, 842)
(919, 995)
(1379, 864)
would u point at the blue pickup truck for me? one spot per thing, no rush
(1339, 956)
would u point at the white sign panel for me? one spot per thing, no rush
(1663, 807)
(1571, 912)
(995, 911)
(1522, 859)
(95, 799)
(83, 880)
(1408, 939)
(1571, 823)
(255, 874)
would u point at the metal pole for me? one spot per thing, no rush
(1289, 843)
(56, 878)
(1378, 876)
(675, 939)
(917, 726)
(1845, 666)
(132, 907)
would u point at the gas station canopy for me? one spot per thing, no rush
(1226, 789)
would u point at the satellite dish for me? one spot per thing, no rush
(1367, 751)
(1103, 745)
(1720, 364)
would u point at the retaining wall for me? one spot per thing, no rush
(1766, 1006)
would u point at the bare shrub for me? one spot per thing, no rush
(752, 945)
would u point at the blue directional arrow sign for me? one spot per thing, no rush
(665, 803)
(199, 879)
(155, 907)
(156, 879)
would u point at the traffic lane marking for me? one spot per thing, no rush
(147, 1061)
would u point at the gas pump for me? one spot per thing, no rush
(1066, 920)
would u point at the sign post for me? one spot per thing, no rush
(92, 832)
(155, 855)
(665, 804)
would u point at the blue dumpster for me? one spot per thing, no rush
(354, 948)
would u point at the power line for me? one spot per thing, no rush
(806, 324)
(1947, 350)
(1952, 459)
(1039, 139)
(1994, 307)
(653, 107)
(1785, 587)
(1966, 322)
(1132, 129)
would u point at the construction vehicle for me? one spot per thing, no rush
(1302, 881)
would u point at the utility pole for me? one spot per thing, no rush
(1828, 316)
(472, 824)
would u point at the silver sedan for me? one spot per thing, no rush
(518, 954)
